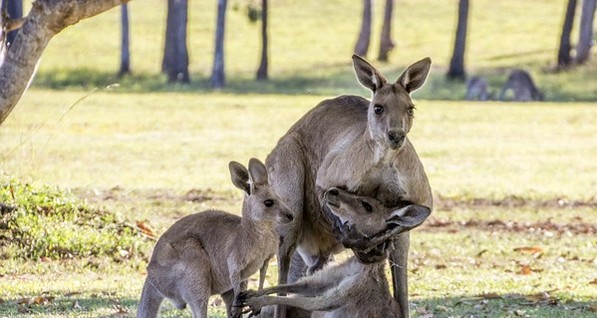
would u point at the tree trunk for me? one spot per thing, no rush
(218, 78)
(46, 19)
(262, 71)
(15, 10)
(125, 56)
(362, 45)
(585, 38)
(456, 70)
(564, 58)
(386, 44)
(176, 57)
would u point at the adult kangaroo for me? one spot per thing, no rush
(361, 146)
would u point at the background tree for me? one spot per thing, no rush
(218, 78)
(564, 58)
(15, 10)
(386, 44)
(125, 55)
(46, 19)
(456, 70)
(262, 70)
(585, 38)
(176, 57)
(362, 45)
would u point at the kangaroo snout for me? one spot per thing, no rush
(396, 138)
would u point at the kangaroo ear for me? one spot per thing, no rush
(239, 176)
(257, 172)
(368, 75)
(408, 217)
(415, 75)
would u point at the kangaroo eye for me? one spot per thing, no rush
(268, 203)
(410, 111)
(367, 206)
(378, 109)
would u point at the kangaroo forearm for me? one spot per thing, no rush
(307, 303)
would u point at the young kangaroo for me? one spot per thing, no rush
(351, 289)
(522, 86)
(359, 145)
(214, 252)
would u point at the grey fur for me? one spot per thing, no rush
(522, 86)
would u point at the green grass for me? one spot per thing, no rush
(504, 175)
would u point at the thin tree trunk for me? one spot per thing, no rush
(386, 44)
(262, 71)
(125, 56)
(176, 57)
(15, 10)
(564, 58)
(46, 19)
(585, 37)
(456, 70)
(362, 45)
(218, 78)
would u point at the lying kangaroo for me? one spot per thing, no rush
(214, 252)
(361, 146)
(351, 289)
(522, 86)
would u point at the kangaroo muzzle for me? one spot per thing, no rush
(396, 138)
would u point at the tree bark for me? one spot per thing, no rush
(585, 37)
(386, 44)
(125, 55)
(46, 19)
(456, 70)
(362, 45)
(564, 58)
(176, 57)
(262, 70)
(218, 78)
(15, 10)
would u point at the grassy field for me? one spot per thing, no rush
(513, 233)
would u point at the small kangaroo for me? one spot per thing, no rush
(214, 252)
(351, 289)
(477, 89)
(363, 147)
(523, 87)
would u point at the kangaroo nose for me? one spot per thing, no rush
(333, 191)
(396, 137)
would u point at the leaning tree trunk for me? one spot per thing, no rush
(456, 70)
(585, 38)
(262, 71)
(46, 19)
(362, 45)
(176, 57)
(564, 58)
(218, 78)
(386, 44)
(15, 10)
(125, 55)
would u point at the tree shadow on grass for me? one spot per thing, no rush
(507, 305)
(325, 80)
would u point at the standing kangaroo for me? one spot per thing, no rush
(214, 252)
(361, 146)
(351, 289)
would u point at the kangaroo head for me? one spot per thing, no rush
(391, 112)
(368, 215)
(261, 202)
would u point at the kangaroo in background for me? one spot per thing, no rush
(361, 146)
(477, 89)
(351, 289)
(214, 252)
(522, 86)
